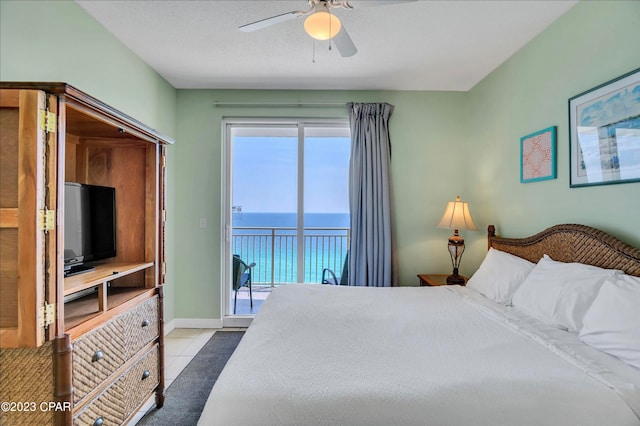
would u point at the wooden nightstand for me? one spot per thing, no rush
(435, 279)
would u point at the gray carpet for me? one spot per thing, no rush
(186, 396)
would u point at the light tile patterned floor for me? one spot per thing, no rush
(180, 346)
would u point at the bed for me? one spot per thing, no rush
(495, 352)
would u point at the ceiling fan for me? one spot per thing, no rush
(320, 23)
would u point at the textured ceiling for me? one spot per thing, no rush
(419, 45)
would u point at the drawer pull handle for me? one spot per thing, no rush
(99, 421)
(97, 357)
(145, 323)
(146, 374)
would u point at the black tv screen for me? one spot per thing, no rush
(89, 225)
(102, 208)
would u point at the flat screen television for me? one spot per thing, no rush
(89, 226)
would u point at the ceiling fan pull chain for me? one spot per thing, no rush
(330, 32)
(313, 44)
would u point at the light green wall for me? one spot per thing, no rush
(477, 132)
(591, 44)
(58, 41)
(425, 130)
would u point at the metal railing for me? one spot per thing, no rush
(275, 252)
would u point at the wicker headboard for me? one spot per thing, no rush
(572, 243)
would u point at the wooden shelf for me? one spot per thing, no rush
(103, 273)
(100, 305)
(86, 311)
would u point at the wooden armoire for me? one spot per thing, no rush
(85, 349)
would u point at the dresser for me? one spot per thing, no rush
(86, 349)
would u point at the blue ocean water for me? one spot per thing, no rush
(274, 249)
(281, 220)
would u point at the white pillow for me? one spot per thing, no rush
(499, 275)
(612, 324)
(560, 293)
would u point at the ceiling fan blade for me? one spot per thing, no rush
(344, 44)
(267, 22)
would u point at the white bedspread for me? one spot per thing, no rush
(331, 355)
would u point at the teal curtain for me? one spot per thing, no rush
(371, 261)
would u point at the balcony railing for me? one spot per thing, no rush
(275, 252)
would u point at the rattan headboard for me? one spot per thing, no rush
(572, 243)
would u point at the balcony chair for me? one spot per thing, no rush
(329, 277)
(241, 278)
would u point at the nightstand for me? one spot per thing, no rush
(432, 280)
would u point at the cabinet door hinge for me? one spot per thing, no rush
(164, 268)
(164, 215)
(47, 314)
(47, 120)
(47, 220)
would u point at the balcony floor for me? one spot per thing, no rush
(260, 294)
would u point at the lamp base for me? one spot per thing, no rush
(455, 279)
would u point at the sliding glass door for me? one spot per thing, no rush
(286, 204)
(326, 200)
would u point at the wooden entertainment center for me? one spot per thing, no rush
(92, 344)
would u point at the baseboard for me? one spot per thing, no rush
(192, 323)
(206, 323)
(169, 326)
(239, 321)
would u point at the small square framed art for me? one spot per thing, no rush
(538, 155)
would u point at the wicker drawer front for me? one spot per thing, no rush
(108, 407)
(96, 356)
(141, 325)
(140, 380)
(125, 395)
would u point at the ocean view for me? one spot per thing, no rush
(288, 220)
(274, 249)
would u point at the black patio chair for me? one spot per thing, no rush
(241, 278)
(329, 277)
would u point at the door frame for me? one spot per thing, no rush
(229, 319)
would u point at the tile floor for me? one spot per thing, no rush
(180, 346)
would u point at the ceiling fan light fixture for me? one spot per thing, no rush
(322, 25)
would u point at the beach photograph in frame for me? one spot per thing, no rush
(538, 155)
(604, 133)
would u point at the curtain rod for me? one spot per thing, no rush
(297, 104)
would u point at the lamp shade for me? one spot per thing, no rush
(322, 25)
(457, 216)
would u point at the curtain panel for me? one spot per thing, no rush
(370, 250)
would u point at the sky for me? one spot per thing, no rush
(265, 174)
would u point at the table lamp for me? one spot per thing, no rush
(456, 216)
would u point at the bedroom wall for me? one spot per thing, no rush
(58, 41)
(591, 44)
(426, 133)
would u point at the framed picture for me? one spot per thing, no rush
(538, 155)
(604, 133)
